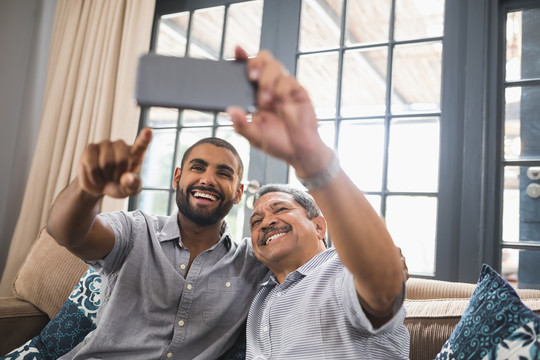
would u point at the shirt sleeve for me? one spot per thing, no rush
(356, 314)
(122, 224)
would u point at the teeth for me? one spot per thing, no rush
(273, 237)
(205, 195)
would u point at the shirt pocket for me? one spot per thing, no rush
(301, 329)
(226, 301)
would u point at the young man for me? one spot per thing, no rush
(318, 304)
(174, 287)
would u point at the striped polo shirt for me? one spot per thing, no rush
(315, 314)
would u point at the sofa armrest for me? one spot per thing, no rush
(20, 321)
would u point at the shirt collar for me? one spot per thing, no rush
(303, 270)
(171, 231)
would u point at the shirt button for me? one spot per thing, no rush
(278, 294)
(265, 329)
(183, 267)
(189, 287)
(181, 323)
(228, 284)
(169, 355)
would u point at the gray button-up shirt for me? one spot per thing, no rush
(315, 314)
(151, 310)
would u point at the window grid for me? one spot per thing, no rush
(338, 119)
(525, 245)
(133, 201)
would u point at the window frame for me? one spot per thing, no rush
(471, 125)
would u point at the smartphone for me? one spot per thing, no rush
(198, 84)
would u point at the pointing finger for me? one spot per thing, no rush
(139, 148)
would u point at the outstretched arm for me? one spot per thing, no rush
(286, 127)
(106, 168)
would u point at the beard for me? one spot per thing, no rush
(203, 217)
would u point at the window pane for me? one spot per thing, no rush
(520, 268)
(522, 40)
(153, 202)
(197, 118)
(327, 131)
(522, 124)
(225, 119)
(162, 117)
(243, 28)
(416, 78)
(157, 166)
(512, 125)
(235, 219)
(320, 24)
(419, 19)
(367, 21)
(510, 225)
(521, 224)
(206, 30)
(411, 222)
(513, 45)
(318, 74)
(239, 142)
(361, 149)
(172, 34)
(413, 155)
(363, 90)
(188, 137)
(375, 202)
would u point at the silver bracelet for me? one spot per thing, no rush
(323, 178)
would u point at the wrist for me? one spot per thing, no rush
(322, 178)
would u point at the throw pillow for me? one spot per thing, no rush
(76, 318)
(495, 324)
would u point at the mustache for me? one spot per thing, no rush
(284, 228)
(205, 189)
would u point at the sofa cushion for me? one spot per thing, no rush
(495, 324)
(76, 318)
(47, 275)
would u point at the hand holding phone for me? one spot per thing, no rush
(198, 84)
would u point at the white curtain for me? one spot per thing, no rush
(89, 97)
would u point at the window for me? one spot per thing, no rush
(410, 93)
(204, 32)
(373, 70)
(521, 147)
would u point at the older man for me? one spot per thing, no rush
(342, 303)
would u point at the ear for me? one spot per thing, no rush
(239, 193)
(320, 226)
(176, 177)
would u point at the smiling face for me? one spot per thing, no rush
(208, 184)
(283, 236)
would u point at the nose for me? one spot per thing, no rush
(207, 179)
(268, 222)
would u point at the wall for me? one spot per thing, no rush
(25, 32)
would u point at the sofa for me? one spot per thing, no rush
(50, 273)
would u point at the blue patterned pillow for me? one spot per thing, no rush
(495, 324)
(74, 321)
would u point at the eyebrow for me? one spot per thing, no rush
(219, 166)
